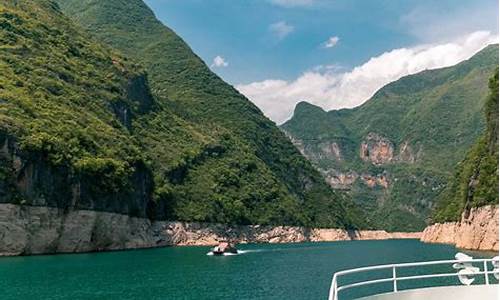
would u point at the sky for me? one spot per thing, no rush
(332, 53)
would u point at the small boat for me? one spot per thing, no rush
(224, 248)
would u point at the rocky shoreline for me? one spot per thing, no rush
(477, 230)
(27, 230)
(209, 234)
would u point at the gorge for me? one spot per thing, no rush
(395, 153)
(115, 135)
(127, 130)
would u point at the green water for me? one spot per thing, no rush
(284, 271)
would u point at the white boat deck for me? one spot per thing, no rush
(467, 270)
(473, 292)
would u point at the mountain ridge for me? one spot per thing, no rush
(380, 150)
(154, 135)
(475, 180)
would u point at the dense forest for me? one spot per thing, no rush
(102, 107)
(475, 182)
(116, 113)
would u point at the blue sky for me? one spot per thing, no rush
(262, 40)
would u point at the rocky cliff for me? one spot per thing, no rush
(477, 230)
(467, 211)
(26, 230)
(475, 181)
(391, 154)
(85, 127)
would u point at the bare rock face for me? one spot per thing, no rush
(194, 234)
(376, 149)
(373, 181)
(340, 181)
(478, 230)
(324, 235)
(39, 183)
(383, 181)
(326, 150)
(379, 150)
(26, 230)
(406, 153)
(330, 150)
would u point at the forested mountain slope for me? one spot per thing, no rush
(394, 153)
(475, 181)
(145, 130)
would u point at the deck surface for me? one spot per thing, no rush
(474, 292)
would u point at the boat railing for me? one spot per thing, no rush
(466, 271)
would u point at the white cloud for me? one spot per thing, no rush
(219, 62)
(334, 89)
(281, 29)
(292, 3)
(332, 41)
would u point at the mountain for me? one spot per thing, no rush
(475, 182)
(121, 116)
(394, 153)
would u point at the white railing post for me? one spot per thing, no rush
(335, 287)
(336, 296)
(394, 280)
(486, 277)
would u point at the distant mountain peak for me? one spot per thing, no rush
(393, 152)
(306, 107)
(213, 154)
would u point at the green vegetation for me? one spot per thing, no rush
(475, 182)
(112, 122)
(55, 89)
(436, 114)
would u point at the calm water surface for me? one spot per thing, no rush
(284, 271)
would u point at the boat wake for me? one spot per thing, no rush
(250, 251)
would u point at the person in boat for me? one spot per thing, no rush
(224, 247)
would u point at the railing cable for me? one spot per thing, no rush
(335, 288)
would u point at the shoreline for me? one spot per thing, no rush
(30, 230)
(6, 255)
(477, 230)
(203, 234)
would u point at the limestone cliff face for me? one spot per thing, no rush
(330, 150)
(376, 149)
(378, 180)
(477, 230)
(326, 150)
(32, 180)
(379, 150)
(340, 180)
(26, 230)
(381, 173)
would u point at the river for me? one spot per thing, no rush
(262, 271)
